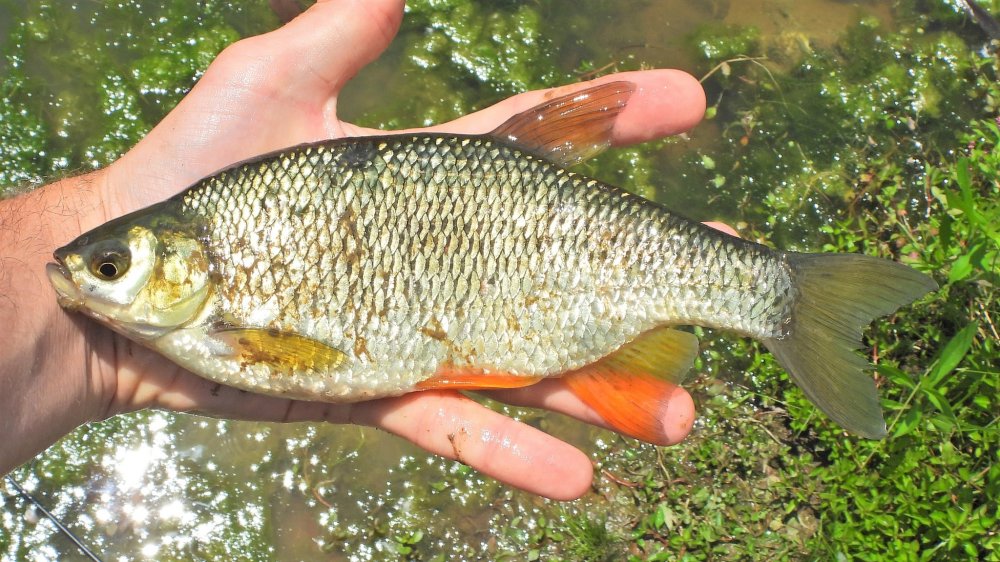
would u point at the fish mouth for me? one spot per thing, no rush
(61, 280)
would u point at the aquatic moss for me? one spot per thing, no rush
(101, 76)
(799, 142)
(22, 136)
(719, 43)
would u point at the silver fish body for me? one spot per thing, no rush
(412, 254)
(367, 267)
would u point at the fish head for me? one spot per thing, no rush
(141, 278)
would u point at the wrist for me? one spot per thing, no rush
(48, 381)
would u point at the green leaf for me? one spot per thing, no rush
(895, 375)
(952, 354)
(660, 516)
(939, 402)
(960, 268)
(967, 262)
(907, 423)
(963, 180)
(943, 424)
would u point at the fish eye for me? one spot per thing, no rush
(108, 269)
(110, 263)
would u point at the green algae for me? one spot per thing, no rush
(86, 81)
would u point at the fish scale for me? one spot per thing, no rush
(472, 217)
(366, 267)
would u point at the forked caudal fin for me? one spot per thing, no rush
(838, 296)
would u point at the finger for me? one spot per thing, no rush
(665, 102)
(164, 385)
(549, 394)
(443, 423)
(453, 426)
(260, 94)
(553, 394)
(333, 40)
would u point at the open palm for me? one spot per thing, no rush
(281, 89)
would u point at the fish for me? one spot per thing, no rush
(359, 268)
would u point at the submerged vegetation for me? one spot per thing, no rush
(882, 141)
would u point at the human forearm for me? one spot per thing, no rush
(49, 378)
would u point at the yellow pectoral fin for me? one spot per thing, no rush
(283, 352)
(630, 388)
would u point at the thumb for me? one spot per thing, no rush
(260, 94)
(332, 40)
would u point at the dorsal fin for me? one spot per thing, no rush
(569, 129)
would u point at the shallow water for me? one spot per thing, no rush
(164, 486)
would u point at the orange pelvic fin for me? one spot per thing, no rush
(630, 388)
(571, 128)
(474, 379)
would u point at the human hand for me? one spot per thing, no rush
(281, 89)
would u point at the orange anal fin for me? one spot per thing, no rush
(474, 379)
(631, 388)
(571, 128)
